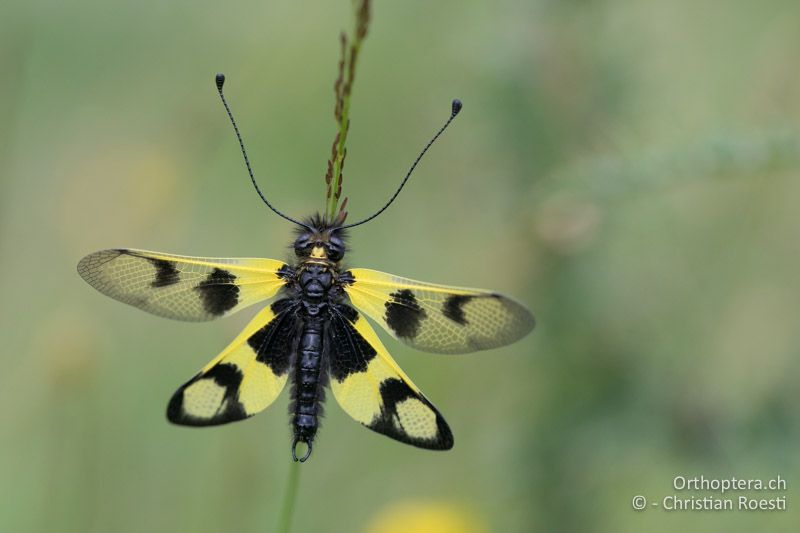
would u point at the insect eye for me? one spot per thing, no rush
(302, 247)
(335, 253)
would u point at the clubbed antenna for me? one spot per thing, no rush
(220, 79)
(455, 108)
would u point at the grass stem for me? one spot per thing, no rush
(289, 497)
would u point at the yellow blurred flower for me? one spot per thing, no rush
(426, 517)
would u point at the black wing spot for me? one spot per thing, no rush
(166, 273)
(279, 306)
(453, 307)
(218, 292)
(348, 312)
(274, 343)
(395, 391)
(225, 375)
(350, 352)
(175, 408)
(403, 314)
(285, 272)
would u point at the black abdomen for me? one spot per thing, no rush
(308, 393)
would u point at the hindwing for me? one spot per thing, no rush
(438, 318)
(246, 377)
(182, 287)
(372, 388)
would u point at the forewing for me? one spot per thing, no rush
(437, 318)
(182, 287)
(246, 377)
(373, 390)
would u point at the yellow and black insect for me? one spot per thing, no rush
(314, 332)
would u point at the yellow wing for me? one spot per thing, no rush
(245, 378)
(182, 287)
(437, 318)
(373, 390)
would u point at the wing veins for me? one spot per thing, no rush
(281, 319)
(417, 285)
(422, 302)
(374, 381)
(194, 261)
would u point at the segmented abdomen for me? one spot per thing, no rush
(308, 392)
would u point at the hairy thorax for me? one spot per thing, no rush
(317, 284)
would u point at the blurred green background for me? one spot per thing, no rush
(628, 169)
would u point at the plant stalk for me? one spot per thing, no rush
(350, 48)
(289, 497)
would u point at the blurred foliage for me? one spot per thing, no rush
(629, 170)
